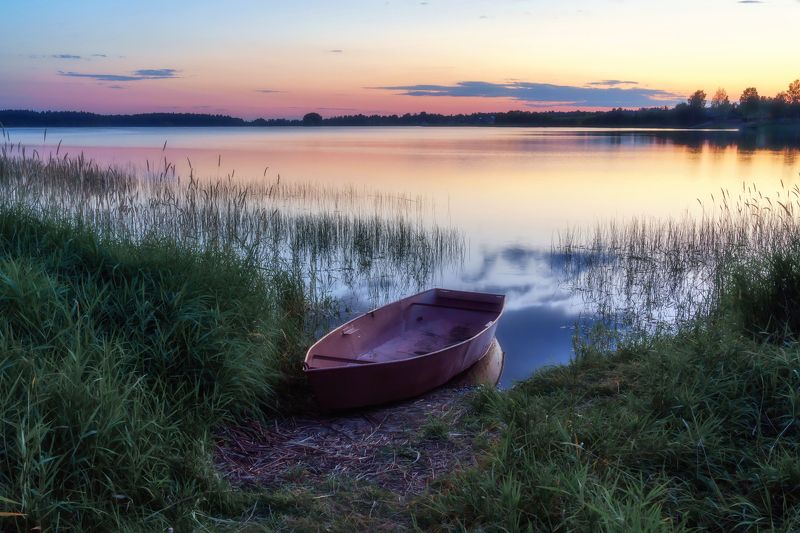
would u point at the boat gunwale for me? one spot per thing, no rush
(309, 369)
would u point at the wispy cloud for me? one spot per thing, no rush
(268, 91)
(336, 51)
(332, 109)
(156, 73)
(137, 75)
(86, 57)
(612, 83)
(545, 94)
(99, 77)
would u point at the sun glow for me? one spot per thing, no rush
(276, 60)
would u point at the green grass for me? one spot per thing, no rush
(130, 329)
(117, 360)
(140, 312)
(334, 236)
(698, 429)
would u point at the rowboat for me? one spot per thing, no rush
(403, 349)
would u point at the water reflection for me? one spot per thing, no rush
(543, 334)
(509, 190)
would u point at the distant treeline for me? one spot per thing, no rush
(22, 118)
(697, 111)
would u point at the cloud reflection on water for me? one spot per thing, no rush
(541, 311)
(508, 190)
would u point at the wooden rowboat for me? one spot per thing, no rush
(403, 349)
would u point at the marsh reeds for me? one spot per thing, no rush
(685, 419)
(335, 236)
(140, 312)
(651, 272)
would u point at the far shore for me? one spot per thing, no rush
(706, 119)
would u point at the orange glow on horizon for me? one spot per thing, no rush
(331, 58)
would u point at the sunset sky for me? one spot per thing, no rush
(283, 59)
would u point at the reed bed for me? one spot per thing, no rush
(139, 313)
(647, 273)
(685, 419)
(335, 236)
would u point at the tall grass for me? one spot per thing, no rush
(694, 426)
(117, 359)
(138, 312)
(696, 430)
(336, 236)
(650, 272)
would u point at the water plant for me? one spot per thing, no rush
(385, 244)
(646, 273)
(138, 313)
(684, 419)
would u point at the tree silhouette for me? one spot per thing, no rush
(794, 92)
(721, 104)
(697, 100)
(692, 112)
(749, 102)
(312, 119)
(720, 99)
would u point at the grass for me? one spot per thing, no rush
(435, 428)
(138, 315)
(646, 430)
(117, 359)
(390, 244)
(646, 273)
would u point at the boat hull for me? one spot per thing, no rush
(384, 378)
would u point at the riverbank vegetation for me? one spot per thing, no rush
(685, 418)
(700, 109)
(117, 359)
(649, 273)
(344, 236)
(142, 314)
(661, 432)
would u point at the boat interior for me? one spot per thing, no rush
(415, 326)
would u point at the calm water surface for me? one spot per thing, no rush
(509, 190)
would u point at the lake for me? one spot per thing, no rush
(509, 191)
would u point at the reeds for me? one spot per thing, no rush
(138, 313)
(335, 236)
(651, 272)
(687, 418)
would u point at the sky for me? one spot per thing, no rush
(252, 58)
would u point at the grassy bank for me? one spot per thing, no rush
(140, 316)
(696, 429)
(140, 313)
(333, 236)
(117, 359)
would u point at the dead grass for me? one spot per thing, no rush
(386, 446)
